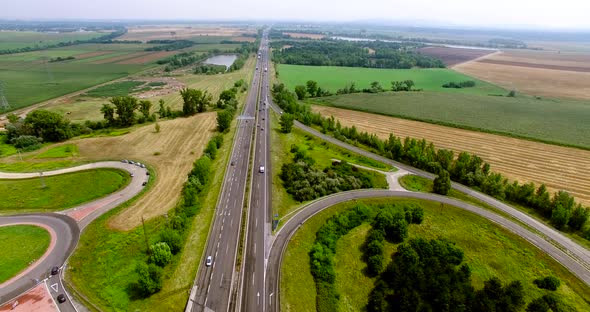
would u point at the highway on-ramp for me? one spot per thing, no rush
(65, 227)
(283, 236)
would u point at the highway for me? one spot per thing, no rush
(214, 285)
(252, 291)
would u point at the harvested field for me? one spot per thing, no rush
(541, 73)
(159, 32)
(533, 81)
(533, 65)
(180, 142)
(243, 39)
(454, 56)
(560, 168)
(119, 58)
(147, 58)
(304, 35)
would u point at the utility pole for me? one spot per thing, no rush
(147, 244)
(42, 181)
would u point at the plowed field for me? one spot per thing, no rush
(180, 142)
(560, 168)
(454, 56)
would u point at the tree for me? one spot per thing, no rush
(301, 92)
(108, 112)
(286, 122)
(150, 278)
(560, 216)
(144, 108)
(512, 93)
(227, 98)
(194, 101)
(157, 127)
(211, 149)
(312, 88)
(162, 111)
(160, 254)
(172, 238)
(442, 183)
(538, 305)
(224, 119)
(578, 218)
(375, 87)
(125, 107)
(49, 126)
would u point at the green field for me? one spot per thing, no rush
(321, 151)
(83, 186)
(32, 39)
(62, 151)
(121, 88)
(489, 251)
(564, 122)
(333, 78)
(16, 256)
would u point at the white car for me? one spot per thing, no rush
(209, 261)
(261, 170)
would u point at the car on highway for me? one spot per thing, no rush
(209, 261)
(261, 170)
(144, 183)
(54, 270)
(61, 298)
(233, 163)
(132, 175)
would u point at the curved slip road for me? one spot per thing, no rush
(67, 225)
(284, 235)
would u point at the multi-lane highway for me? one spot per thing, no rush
(252, 295)
(214, 285)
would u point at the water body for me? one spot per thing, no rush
(223, 59)
(425, 43)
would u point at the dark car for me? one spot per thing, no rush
(61, 298)
(233, 163)
(54, 270)
(143, 184)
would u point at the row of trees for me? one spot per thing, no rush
(170, 45)
(304, 181)
(311, 89)
(209, 69)
(376, 54)
(170, 239)
(467, 169)
(121, 112)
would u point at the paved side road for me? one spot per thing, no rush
(283, 236)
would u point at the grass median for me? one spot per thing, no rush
(52, 193)
(489, 251)
(17, 256)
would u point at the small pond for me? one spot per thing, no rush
(224, 59)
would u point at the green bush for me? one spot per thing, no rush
(150, 279)
(172, 238)
(160, 254)
(549, 282)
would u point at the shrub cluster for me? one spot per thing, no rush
(549, 282)
(304, 181)
(61, 59)
(467, 169)
(210, 69)
(170, 45)
(459, 85)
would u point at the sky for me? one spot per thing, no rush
(541, 14)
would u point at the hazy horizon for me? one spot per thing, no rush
(504, 14)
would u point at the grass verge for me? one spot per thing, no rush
(47, 193)
(489, 251)
(16, 256)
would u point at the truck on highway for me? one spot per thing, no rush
(265, 69)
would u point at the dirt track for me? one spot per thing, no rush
(533, 65)
(526, 161)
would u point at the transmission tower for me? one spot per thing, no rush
(4, 106)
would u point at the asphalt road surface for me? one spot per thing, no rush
(67, 230)
(252, 291)
(214, 284)
(283, 236)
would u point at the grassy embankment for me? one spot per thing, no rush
(120, 251)
(489, 251)
(322, 152)
(84, 186)
(16, 256)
